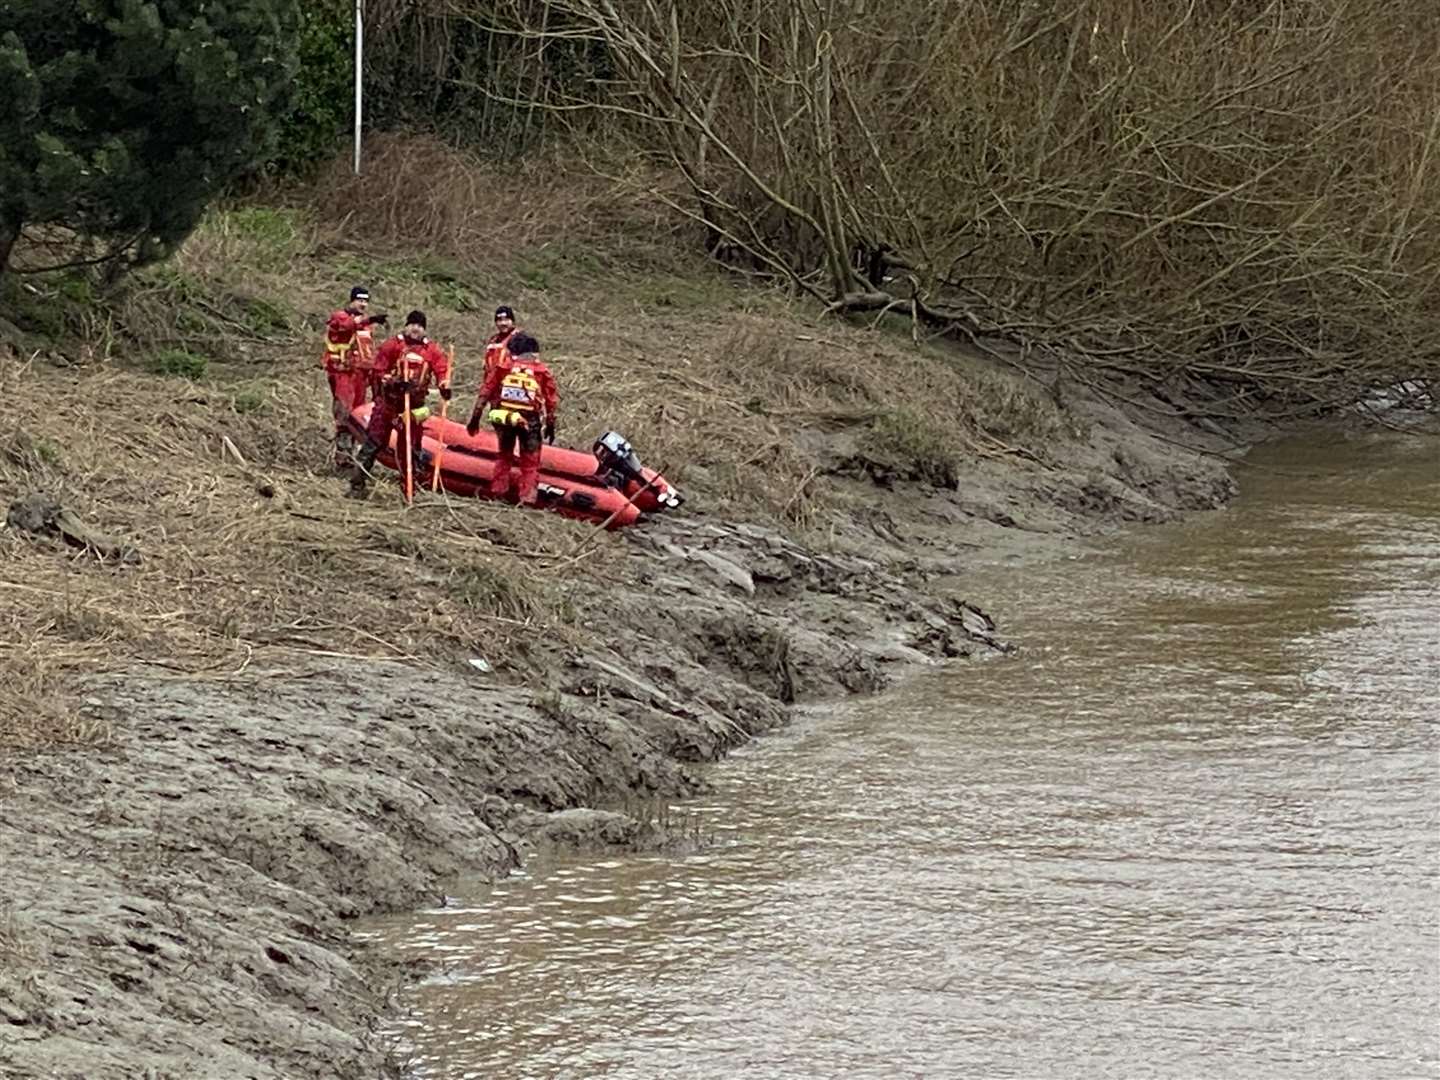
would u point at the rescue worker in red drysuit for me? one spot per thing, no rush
(520, 399)
(409, 362)
(347, 356)
(495, 346)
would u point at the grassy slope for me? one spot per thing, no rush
(730, 387)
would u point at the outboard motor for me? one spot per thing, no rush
(623, 470)
(618, 457)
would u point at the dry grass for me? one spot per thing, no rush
(732, 395)
(694, 369)
(230, 580)
(260, 564)
(420, 194)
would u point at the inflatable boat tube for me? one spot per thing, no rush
(651, 491)
(572, 490)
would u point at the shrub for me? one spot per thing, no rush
(122, 121)
(923, 450)
(178, 362)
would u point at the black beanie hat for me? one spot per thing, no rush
(416, 317)
(359, 292)
(522, 344)
(505, 310)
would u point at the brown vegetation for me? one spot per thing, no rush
(239, 564)
(1237, 201)
(424, 196)
(184, 416)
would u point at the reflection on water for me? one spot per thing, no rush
(1191, 830)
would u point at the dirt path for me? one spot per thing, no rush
(177, 901)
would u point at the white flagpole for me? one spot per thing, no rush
(359, 55)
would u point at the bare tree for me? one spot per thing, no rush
(1241, 196)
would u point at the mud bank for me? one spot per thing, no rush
(177, 899)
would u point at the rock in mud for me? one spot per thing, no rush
(583, 829)
(979, 626)
(42, 515)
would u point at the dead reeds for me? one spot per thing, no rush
(243, 565)
(417, 192)
(250, 560)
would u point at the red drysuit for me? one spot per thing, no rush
(522, 399)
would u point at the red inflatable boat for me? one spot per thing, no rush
(608, 485)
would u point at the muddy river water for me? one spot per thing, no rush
(1192, 829)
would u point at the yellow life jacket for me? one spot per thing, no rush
(337, 354)
(519, 398)
(341, 355)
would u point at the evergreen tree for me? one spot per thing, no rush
(121, 119)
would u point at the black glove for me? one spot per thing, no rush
(473, 427)
(444, 393)
(380, 318)
(550, 432)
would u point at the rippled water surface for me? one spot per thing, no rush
(1191, 830)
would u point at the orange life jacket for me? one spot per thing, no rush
(352, 353)
(495, 351)
(413, 367)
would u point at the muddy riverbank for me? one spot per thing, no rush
(177, 899)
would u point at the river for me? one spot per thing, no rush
(1191, 829)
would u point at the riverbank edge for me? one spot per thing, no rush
(180, 899)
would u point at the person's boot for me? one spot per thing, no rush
(421, 462)
(500, 479)
(344, 451)
(529, 484)
(360, 475)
